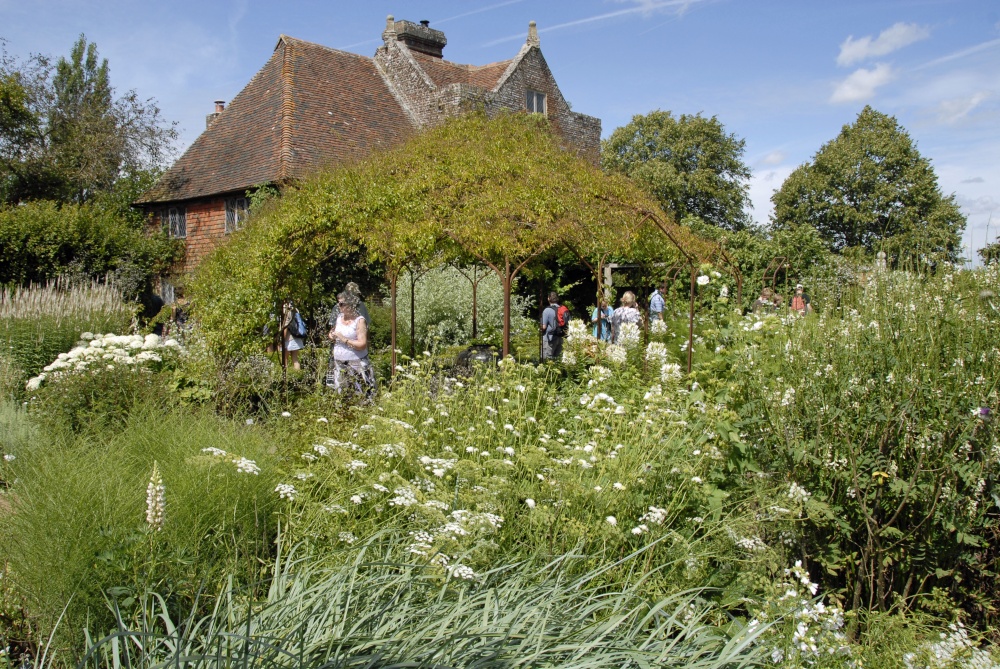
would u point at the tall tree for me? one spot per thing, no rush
(65, 136)
(690, 164)
(870, 188)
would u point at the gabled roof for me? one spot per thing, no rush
(309, 105)
(444, 73)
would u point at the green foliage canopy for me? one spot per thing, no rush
(870, 188)
(501, 190)
(690, 164)
(65, 136)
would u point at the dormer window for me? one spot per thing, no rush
(535, 102)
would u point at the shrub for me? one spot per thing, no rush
(880, 414)
(39, 322)
(42, 240)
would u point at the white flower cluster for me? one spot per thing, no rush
(798, 493)
(628, 335)
(955, 649)
(243, 465)
(105, 351)
(437, 466)
(577, 331)
(286, 491)
(656, 353)
(156, 500)
(404, 497)
(703, 280)
(670, 372)
(617, 354)
(655, 515)
(658, 326)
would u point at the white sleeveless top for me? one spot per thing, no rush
(343, 351)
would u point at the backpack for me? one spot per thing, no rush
(297, 326)
(562, 320)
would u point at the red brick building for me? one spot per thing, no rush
(311, 106)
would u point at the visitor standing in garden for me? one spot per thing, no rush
(293, 332)
(601, 318)
(656, 304)
(349, 368)
(626, 313)
(801, 304)
(764, 304)
(352, 288)
(552, 339)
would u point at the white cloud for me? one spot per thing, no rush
(862, 83)
(891, 39)
(973, 180)
(775, 157)
(954, 110)
(762, 187)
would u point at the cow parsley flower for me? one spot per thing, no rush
(286, 491)
(703, 280)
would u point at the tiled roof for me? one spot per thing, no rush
(444, 73)
(308, 106)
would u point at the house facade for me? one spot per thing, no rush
(311, 106)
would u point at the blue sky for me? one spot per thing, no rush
(785, 75)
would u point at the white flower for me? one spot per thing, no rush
(724, 292)
(357, 499)
(286, 491)
(286, 414)
(670, 372)
(530, 503)
(612, 521)
(212, 450)
(569, 358)
(9, 457)
(617, 354)
(618, 485)
(156, 500)
(347, 537)
(641, 529)
(628, 335)
(245, 466)
(696, 479)
(703, 280)
(321, 419)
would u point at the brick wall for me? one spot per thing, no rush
(206, 229)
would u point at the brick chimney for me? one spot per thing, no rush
(220, 106)
(417, 36)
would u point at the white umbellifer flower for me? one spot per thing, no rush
(87, 336)
(612, 521)
(321, 419)
(9, 457)
(347, 537)
(245, 466)
(530, 503)
(463, 572)
(355, 466)
(640, 529)
(520, 388)
(618, 485)
(357, 499)
(788, 397)
(156, 500)
(212, 450)
(798, 493)
(286, 414)
(35, 382)
(286, 491)
(703, 280)
(696, 479)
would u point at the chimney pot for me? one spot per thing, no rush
(425, 23)
(220, 106)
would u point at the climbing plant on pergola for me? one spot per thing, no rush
(500, 190)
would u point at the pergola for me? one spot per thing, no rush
(500, 192)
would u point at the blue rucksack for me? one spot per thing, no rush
(297, 327)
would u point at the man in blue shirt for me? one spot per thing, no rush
(551, 337)
(656, 304)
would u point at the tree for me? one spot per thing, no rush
(870, 188)
(65, 136)
(690, 164)
(991, 252)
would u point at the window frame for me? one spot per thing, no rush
(237, 210)
(174, 221)
(532, 98)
